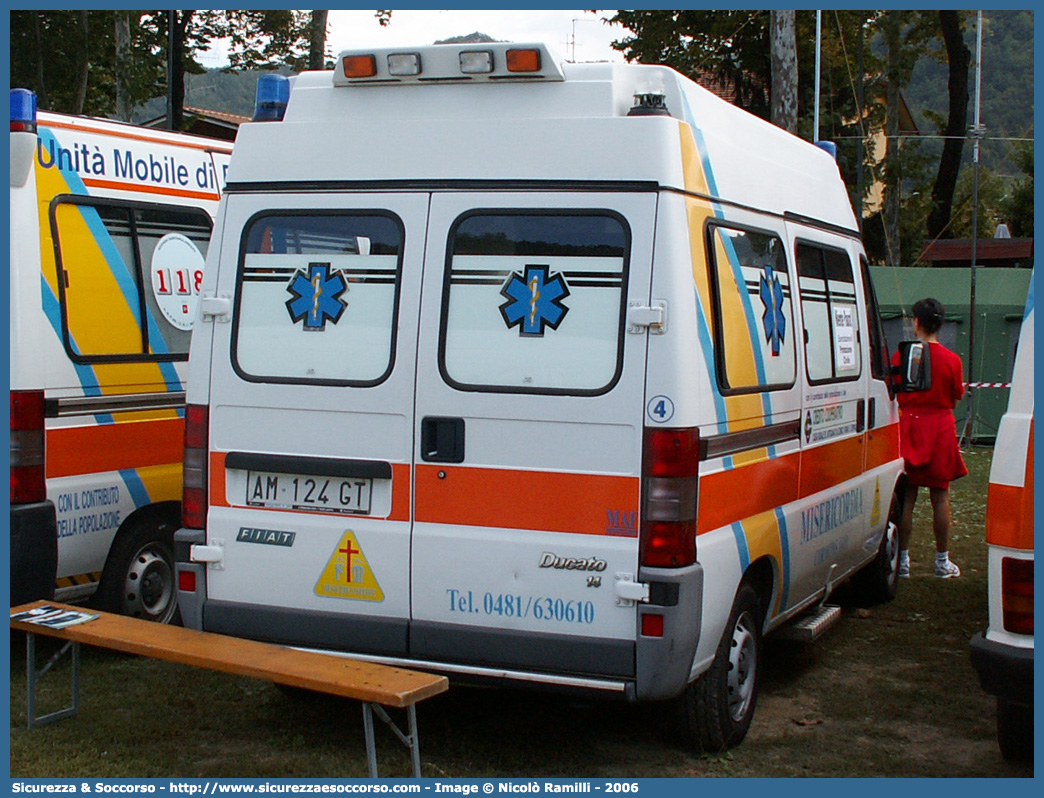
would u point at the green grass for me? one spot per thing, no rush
(888, 692)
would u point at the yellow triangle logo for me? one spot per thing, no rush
(875, 511)
(347, 575)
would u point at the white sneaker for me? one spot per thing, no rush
(904, 570)
(947, 570)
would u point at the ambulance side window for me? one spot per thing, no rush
(533, 301)
(317, 297)
(879, 358)
(129, 276)
(754, 322)
(828, 306)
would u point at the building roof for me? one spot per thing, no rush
(204, 122)
(956, 252)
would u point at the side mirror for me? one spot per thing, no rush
(914, 372)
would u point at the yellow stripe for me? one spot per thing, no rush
(762, 533)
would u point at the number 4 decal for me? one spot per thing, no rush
(660, 409)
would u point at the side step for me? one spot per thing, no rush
(811, 625)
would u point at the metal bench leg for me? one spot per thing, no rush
(411, 740)
(33, 676)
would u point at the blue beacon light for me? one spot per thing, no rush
(23, 111)
(271, 98)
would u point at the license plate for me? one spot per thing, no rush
(306, 492)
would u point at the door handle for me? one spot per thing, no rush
(442, 439)
(860, 415)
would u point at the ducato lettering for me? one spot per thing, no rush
(550, 560)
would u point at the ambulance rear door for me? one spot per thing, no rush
(528, 431)
(311, 419)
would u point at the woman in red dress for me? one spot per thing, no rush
(928, 440)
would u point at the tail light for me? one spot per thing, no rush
(1017, 595)
(194, 485)
(28, 482)
(670, 481)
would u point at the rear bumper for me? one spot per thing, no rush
(1004, 671)
(34, 552)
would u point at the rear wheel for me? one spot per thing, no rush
(1015, 731)
(138, 579)
(878, 582)
(716, 710)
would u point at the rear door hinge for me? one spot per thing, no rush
(213, 555)
(628, 592)
(218, 308)
(651, 317)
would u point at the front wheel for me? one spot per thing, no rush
(138, 579)
(716, 710)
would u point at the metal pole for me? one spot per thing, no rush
(170, 69)
(819, 39)
(977, 133)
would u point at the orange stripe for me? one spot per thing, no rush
(1009, 509)
(825, 466)
(882, 446)
(206, 147)
(746, 491)
(552, 502)
(113, 447)
(170, 192)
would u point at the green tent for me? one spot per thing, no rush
(1000, 299)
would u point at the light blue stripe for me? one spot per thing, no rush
(784, 547)
(136, 487)
(741, 546)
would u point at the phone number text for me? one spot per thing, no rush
(511, 605)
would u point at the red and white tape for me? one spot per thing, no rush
(987, 385)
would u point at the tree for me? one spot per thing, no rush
(958, 58)
(783, 40)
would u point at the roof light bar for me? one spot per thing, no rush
(441, 63)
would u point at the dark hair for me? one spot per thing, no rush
(929, 314)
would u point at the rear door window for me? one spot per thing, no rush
(533, 301)
(317, 297)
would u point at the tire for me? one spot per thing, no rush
(715, 711)
(138, 579)
(1015, 731)
(878, 582)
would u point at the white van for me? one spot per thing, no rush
(109, 229)
(1003, 654)
(562, 374)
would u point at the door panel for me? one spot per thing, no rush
(312, 441)
(523, 341)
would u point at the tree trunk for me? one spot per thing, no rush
(317, 40)
(122, 35)
(180, 24)
(958, 58)
(783, 47)
(42, 100)
(893, 179)
(84, 66)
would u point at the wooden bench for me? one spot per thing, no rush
(375, 685)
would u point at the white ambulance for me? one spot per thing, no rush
(109, 230)
(562, 374)
(1003, 654)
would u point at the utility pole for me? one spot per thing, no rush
(977, 133)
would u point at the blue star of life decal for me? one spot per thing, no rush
(316, 296)
(772, 320)
(534, 301)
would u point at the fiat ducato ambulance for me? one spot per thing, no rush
(109, 229)
(562, 374)
(1003, 653)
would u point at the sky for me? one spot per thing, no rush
(411, 28)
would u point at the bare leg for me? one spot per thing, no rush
(942, 518)
(906, 522)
